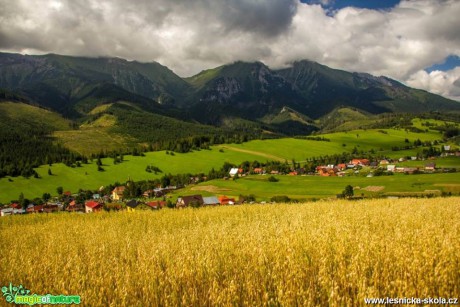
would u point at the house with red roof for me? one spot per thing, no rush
(225, 200)
(93, 206)
(75, 207)
(258, 170)
(361, 162)
(35, 209)
(156, 204)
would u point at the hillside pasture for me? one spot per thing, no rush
(308, 187)
(87, 176)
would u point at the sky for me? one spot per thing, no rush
(416, 42)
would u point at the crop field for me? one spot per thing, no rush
(325, 253)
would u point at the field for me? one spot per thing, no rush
(325, 253)
(305, 187)
(87, 176)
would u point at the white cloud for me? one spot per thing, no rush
(189, 36)
(445, 83)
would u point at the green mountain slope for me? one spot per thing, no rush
(60, 82)
(325, 89)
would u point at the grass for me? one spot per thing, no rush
(417, 123)
(298, 149)
(307, 187)
(87, 141)
(446, 162)
(87, 177)
(334, 253)
(21, 112)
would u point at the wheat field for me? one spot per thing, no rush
(324, 253)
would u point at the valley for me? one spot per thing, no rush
(380, 141)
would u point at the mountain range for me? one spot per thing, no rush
(286, 101)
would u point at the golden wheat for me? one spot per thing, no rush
(323, 253)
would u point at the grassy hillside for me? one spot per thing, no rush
(381, 140)
(326, 253)
(14, 113)
(88, 177)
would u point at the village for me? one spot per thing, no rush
(158, 198)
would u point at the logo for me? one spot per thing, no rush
(22, 296)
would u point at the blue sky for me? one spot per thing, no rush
(449, 63)
(369, 4)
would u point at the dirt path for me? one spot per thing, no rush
(256, 153)
(209, 188)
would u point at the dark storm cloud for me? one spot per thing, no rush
(270, 17)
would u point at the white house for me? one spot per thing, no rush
(233, 171)
(6, 211)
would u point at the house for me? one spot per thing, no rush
(391, 167)
(210, 200)
(224, 200)
(16, 206)
(192, 200)
(6, 211)
(34, 209)
(93, 206)
(361, 162)
(430, 167)
(384, 162)
(293, 173)
(233, 172)
(341, 166)
(410, 170)
(132, 205)
(148, 194)
(75, 207)
(327, 171)
(117, 193)
(96, 196)
(49, 208)
(156, 204)
(274, 172)
(446, 147)
(258, 170)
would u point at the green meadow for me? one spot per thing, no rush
(308, 187)
(380, 140)
(87, 176)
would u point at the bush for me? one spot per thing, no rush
(280, 199)
(273, 179)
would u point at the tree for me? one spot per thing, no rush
(21, 198)
(60, 190)
(348, 192)
(46, 196)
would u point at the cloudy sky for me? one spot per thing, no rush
(414, 41)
